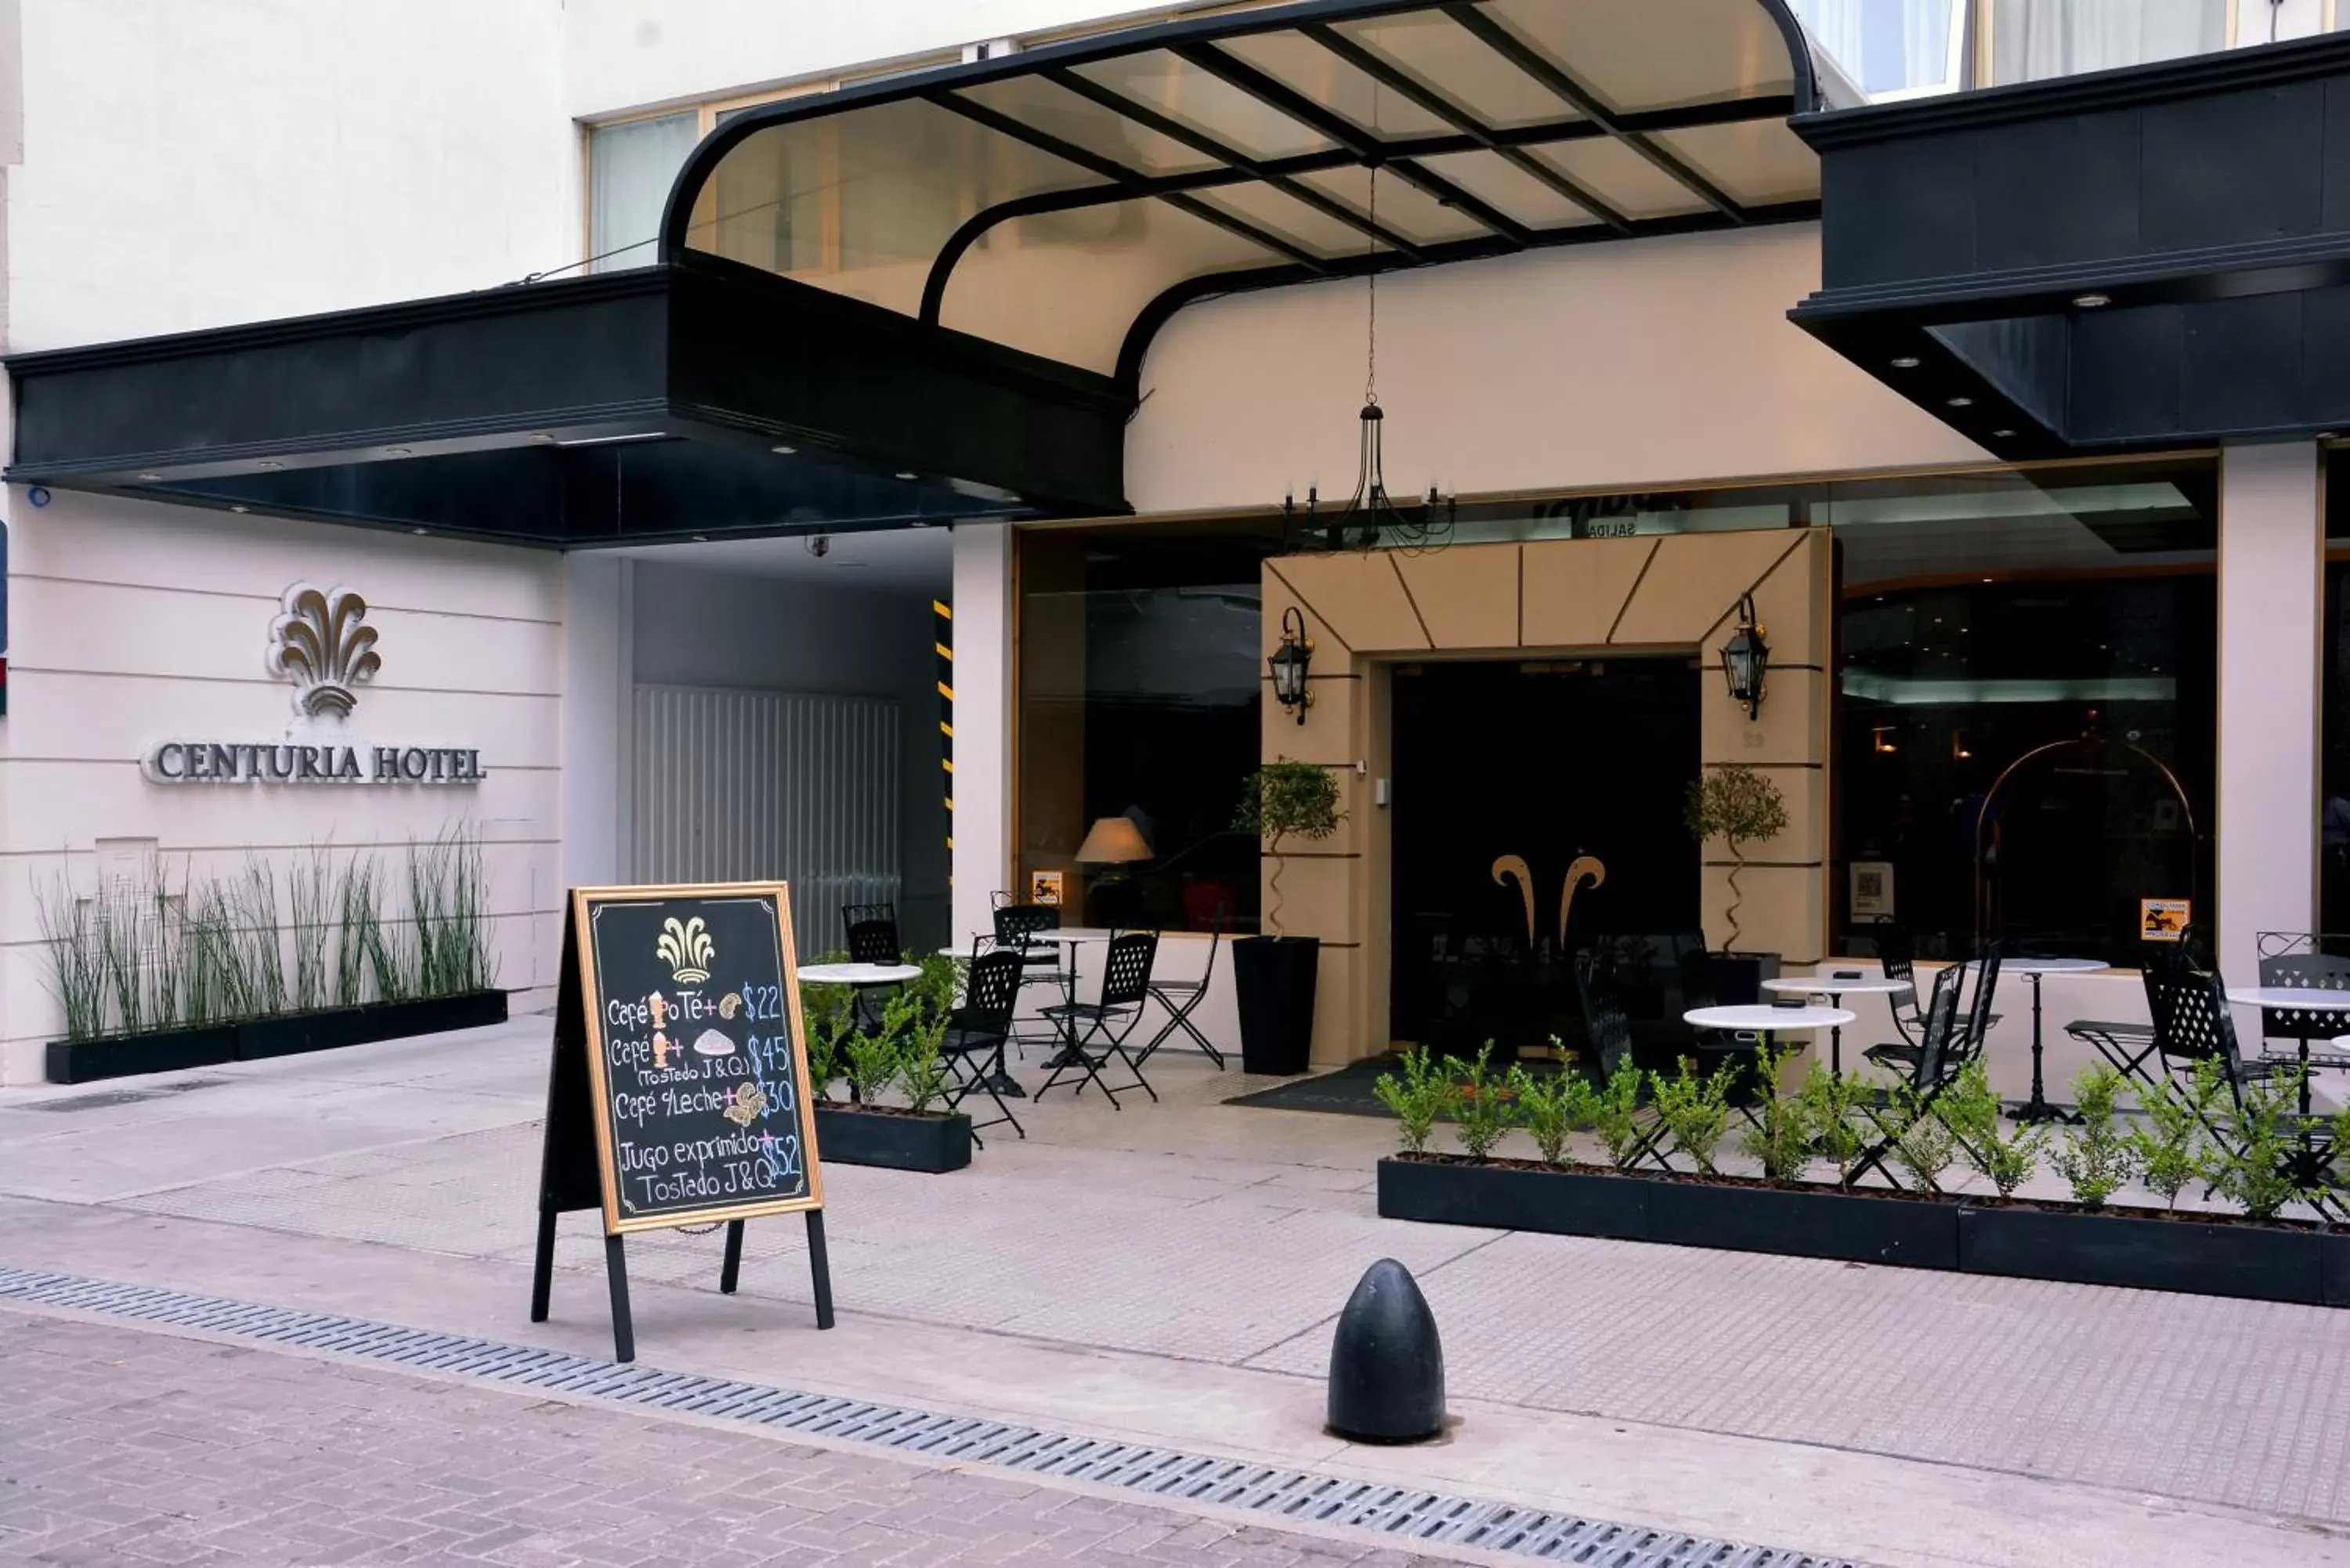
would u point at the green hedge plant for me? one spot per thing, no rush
(1418, 1096)
(1482, 1103)
(1695, 1109)
(2095, 1155)
(1779, 1139)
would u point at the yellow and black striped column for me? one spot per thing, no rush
(945, 644)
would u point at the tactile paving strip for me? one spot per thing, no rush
(1433, 1518)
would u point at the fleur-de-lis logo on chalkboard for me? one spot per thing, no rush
(320, 645)
(686, 948)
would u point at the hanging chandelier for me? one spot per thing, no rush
(1371, 517)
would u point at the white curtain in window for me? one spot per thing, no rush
(2031, 39)
(1884, 46)
(631, 167)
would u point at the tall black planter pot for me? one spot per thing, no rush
(1738, 978)
(1274, 979)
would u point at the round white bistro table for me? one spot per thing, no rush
(2304, 1002)
(1836, 988)
(1765, 1019)
(859, 974)
(2037, 1108)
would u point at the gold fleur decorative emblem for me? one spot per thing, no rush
(320, 645)
(686, 948)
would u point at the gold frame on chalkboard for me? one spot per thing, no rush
(583, 902)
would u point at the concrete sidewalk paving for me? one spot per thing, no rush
(1169, 1274)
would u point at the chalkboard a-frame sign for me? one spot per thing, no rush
(678, 1090)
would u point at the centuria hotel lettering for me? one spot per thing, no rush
(324, 646)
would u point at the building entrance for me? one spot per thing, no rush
(1537, 810)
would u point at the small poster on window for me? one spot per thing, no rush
(2163, 920)
(1044, 888)
(1872, 890)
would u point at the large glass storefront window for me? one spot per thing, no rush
(2333, 705)
(1140, 669)
(2026, 696)
(2023, 714)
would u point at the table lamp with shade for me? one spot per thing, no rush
(1112, 841)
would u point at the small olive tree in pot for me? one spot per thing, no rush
(1732, 801)
(1274, 974)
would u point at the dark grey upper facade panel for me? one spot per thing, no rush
(2126, 260)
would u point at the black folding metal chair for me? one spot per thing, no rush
(1041, 963)
(1182, 998)
(1105, 1022)
(1897, 956)
(978, 1031)
(2297, 961)
(1930, 1066)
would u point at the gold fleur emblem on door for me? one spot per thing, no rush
(1583, 871)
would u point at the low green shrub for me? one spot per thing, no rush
(1695, 1108)
(2168, 1145)
(1779, 1139)
(2005, 1158)
(1482, 1103)
(1835, 1112)
(2095, 1155)
(1552, 1106)
(1616, 1114)
(1922, 1146)
(1418, 1097)
(2252, 1164)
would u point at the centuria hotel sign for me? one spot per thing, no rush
(322, 644)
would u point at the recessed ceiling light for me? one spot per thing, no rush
(1962, 402)
(783, 451)
(542, 435)
(1906, 362)
(1986, 579)
(272, 465)
(903, 475)
(151, 478)
(417, 530)
(2000, 435)
(240, 509)
(702, 538)
(2092, 301)
(396, 451)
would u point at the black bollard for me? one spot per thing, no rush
(1386, 1366)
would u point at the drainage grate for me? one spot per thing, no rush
(1402, 1514)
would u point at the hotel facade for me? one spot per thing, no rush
(876, 447)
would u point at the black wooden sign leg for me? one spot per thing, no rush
(731, 1269)
(542, 1272)
(624, 1329)
(820, 1267)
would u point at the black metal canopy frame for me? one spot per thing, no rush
(929, 297)
(2123, 261)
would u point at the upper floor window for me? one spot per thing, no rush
(630, 166)
(1890, 48)
(2027, 40)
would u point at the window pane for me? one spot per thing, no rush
(1472, 77)
(1140, 674)
(1885, 46)
(1183, 92)
(2030, 39)
(631, 168)
(2026, 702)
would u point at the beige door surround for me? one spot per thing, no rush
(1368, 611)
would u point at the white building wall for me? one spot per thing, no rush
(1647, 364)
(131, 623)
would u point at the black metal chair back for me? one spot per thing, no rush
(1126, 977)
(1979, 1016)
(2192, 1022)
(1015, 923)
(991, 991)
(1605, 1025)
(872, 939)
(1896, 950)
(1938, 1040)
(2296, 961)
(978, 1031)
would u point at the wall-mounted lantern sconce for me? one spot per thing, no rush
(1289, 662)
(1746, 658)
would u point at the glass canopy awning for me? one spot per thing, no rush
(1067, 200)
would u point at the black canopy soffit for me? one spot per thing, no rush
(2123, 261)
(666, 402)
(1231, 187)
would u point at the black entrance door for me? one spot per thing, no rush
(1511, 781)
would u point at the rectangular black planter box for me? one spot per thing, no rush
(175, 1050)
(2250, 1261)
(124, 1055)
(933, 1145)
(1505, 1197)
(1796, 1222)
(2194, 1257)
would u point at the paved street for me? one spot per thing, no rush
(124, 1447)
(1168, 1274)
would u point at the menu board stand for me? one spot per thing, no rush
(576, 1168)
